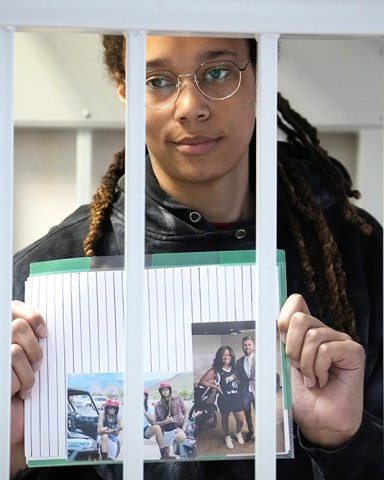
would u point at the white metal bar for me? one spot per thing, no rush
(84, 152)
(330, 17)
(369, 172)
(266, 188)
(6, 210)
(134, 253)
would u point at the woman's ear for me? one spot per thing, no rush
(120, 88)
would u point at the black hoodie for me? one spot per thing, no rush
(171, 227)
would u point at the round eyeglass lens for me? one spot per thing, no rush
(161, 89)
(218, 80)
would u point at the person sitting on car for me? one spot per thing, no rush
(108, 429)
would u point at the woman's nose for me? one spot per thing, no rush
(191, 103)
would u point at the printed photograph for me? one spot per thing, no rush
(224, 389)
(168, 426)
(94, 416)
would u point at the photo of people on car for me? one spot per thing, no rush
(94, 419)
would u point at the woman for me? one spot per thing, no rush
(171, 415)
(222, 377)
(200, 197)
(152, 429)
(108, 429)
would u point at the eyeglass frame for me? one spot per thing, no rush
(196, 82)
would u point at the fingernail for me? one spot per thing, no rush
(309, 383)
(41, 331)
(296, 364)
(37, 366)
(26, 394)
(284, 337)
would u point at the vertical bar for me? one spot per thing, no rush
(6, 211)
(381, 218)
(134, 253)
(83, 166)
(266, 183)
(370, 171)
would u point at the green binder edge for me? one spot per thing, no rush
(158, 260)
(66, 265)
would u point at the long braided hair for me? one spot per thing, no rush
(319, 255)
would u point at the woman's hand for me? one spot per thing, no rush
(327, 370)
(218, 388)
(27, 327)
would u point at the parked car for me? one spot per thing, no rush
(82, 419)
(81, 447)
(99, 401)
(81, 401)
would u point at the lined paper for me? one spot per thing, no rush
(84, 315)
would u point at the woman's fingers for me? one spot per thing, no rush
(27, 327)
(344, 359)
(31, 316)
(24, 337)
(22, 373)
(307, 340)
(294, 303)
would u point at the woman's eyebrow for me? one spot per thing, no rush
(163, 63)
(216, 54)
(157, 63)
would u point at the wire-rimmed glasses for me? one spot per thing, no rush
(215, 80)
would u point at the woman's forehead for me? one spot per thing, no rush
(177, 50)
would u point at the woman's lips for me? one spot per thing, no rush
(196, 146)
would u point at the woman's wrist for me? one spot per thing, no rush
(18, 460)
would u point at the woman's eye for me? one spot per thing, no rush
(159, 82)
(216, 73)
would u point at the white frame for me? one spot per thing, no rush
(6, 218)
(266, 19)
(237, 17)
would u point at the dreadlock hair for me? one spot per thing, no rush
(102, 203)
(319, 255)
(166, 405)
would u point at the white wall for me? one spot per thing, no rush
(59, 77)
(45, 176)
(338, 85)
(61, 85)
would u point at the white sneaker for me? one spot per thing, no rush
(240, 438)
(228, 442)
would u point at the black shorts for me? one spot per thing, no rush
(228, 403)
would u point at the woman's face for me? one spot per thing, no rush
(198, 139)
(226, 357)
(165, 392)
